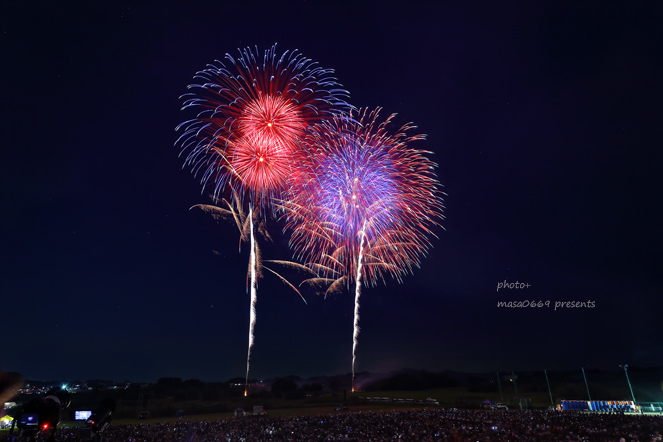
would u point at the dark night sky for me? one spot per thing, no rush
(545, 120)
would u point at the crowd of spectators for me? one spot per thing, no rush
(416, 425)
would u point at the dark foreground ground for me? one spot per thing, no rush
(415, 425)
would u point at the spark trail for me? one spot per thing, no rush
(254, 299)
(355, 334)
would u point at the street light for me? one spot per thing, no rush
(629, 382)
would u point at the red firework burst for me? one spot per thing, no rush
(260, 163)
(252, 115)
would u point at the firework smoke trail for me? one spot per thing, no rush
(355, 334)
(254, 299)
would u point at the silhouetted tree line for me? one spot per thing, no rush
(197, 390)
(412, 382)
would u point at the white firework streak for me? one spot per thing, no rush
(355, 335)
(254, 298)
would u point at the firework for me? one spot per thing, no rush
(357, 174)
(362, 204)
(252, 113)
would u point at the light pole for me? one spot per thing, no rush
(587, 386)
(549, 392)
(513, 377)
(500, 385)
(629, 382)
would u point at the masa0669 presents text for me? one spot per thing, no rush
(541, 304)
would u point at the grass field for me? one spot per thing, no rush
(447, 396)
(278, 413)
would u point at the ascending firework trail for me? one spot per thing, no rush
(248, 231)
(355, 333)
(362, 204)
(254, 299)
(252, 114)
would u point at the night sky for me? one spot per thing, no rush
(545, 119)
